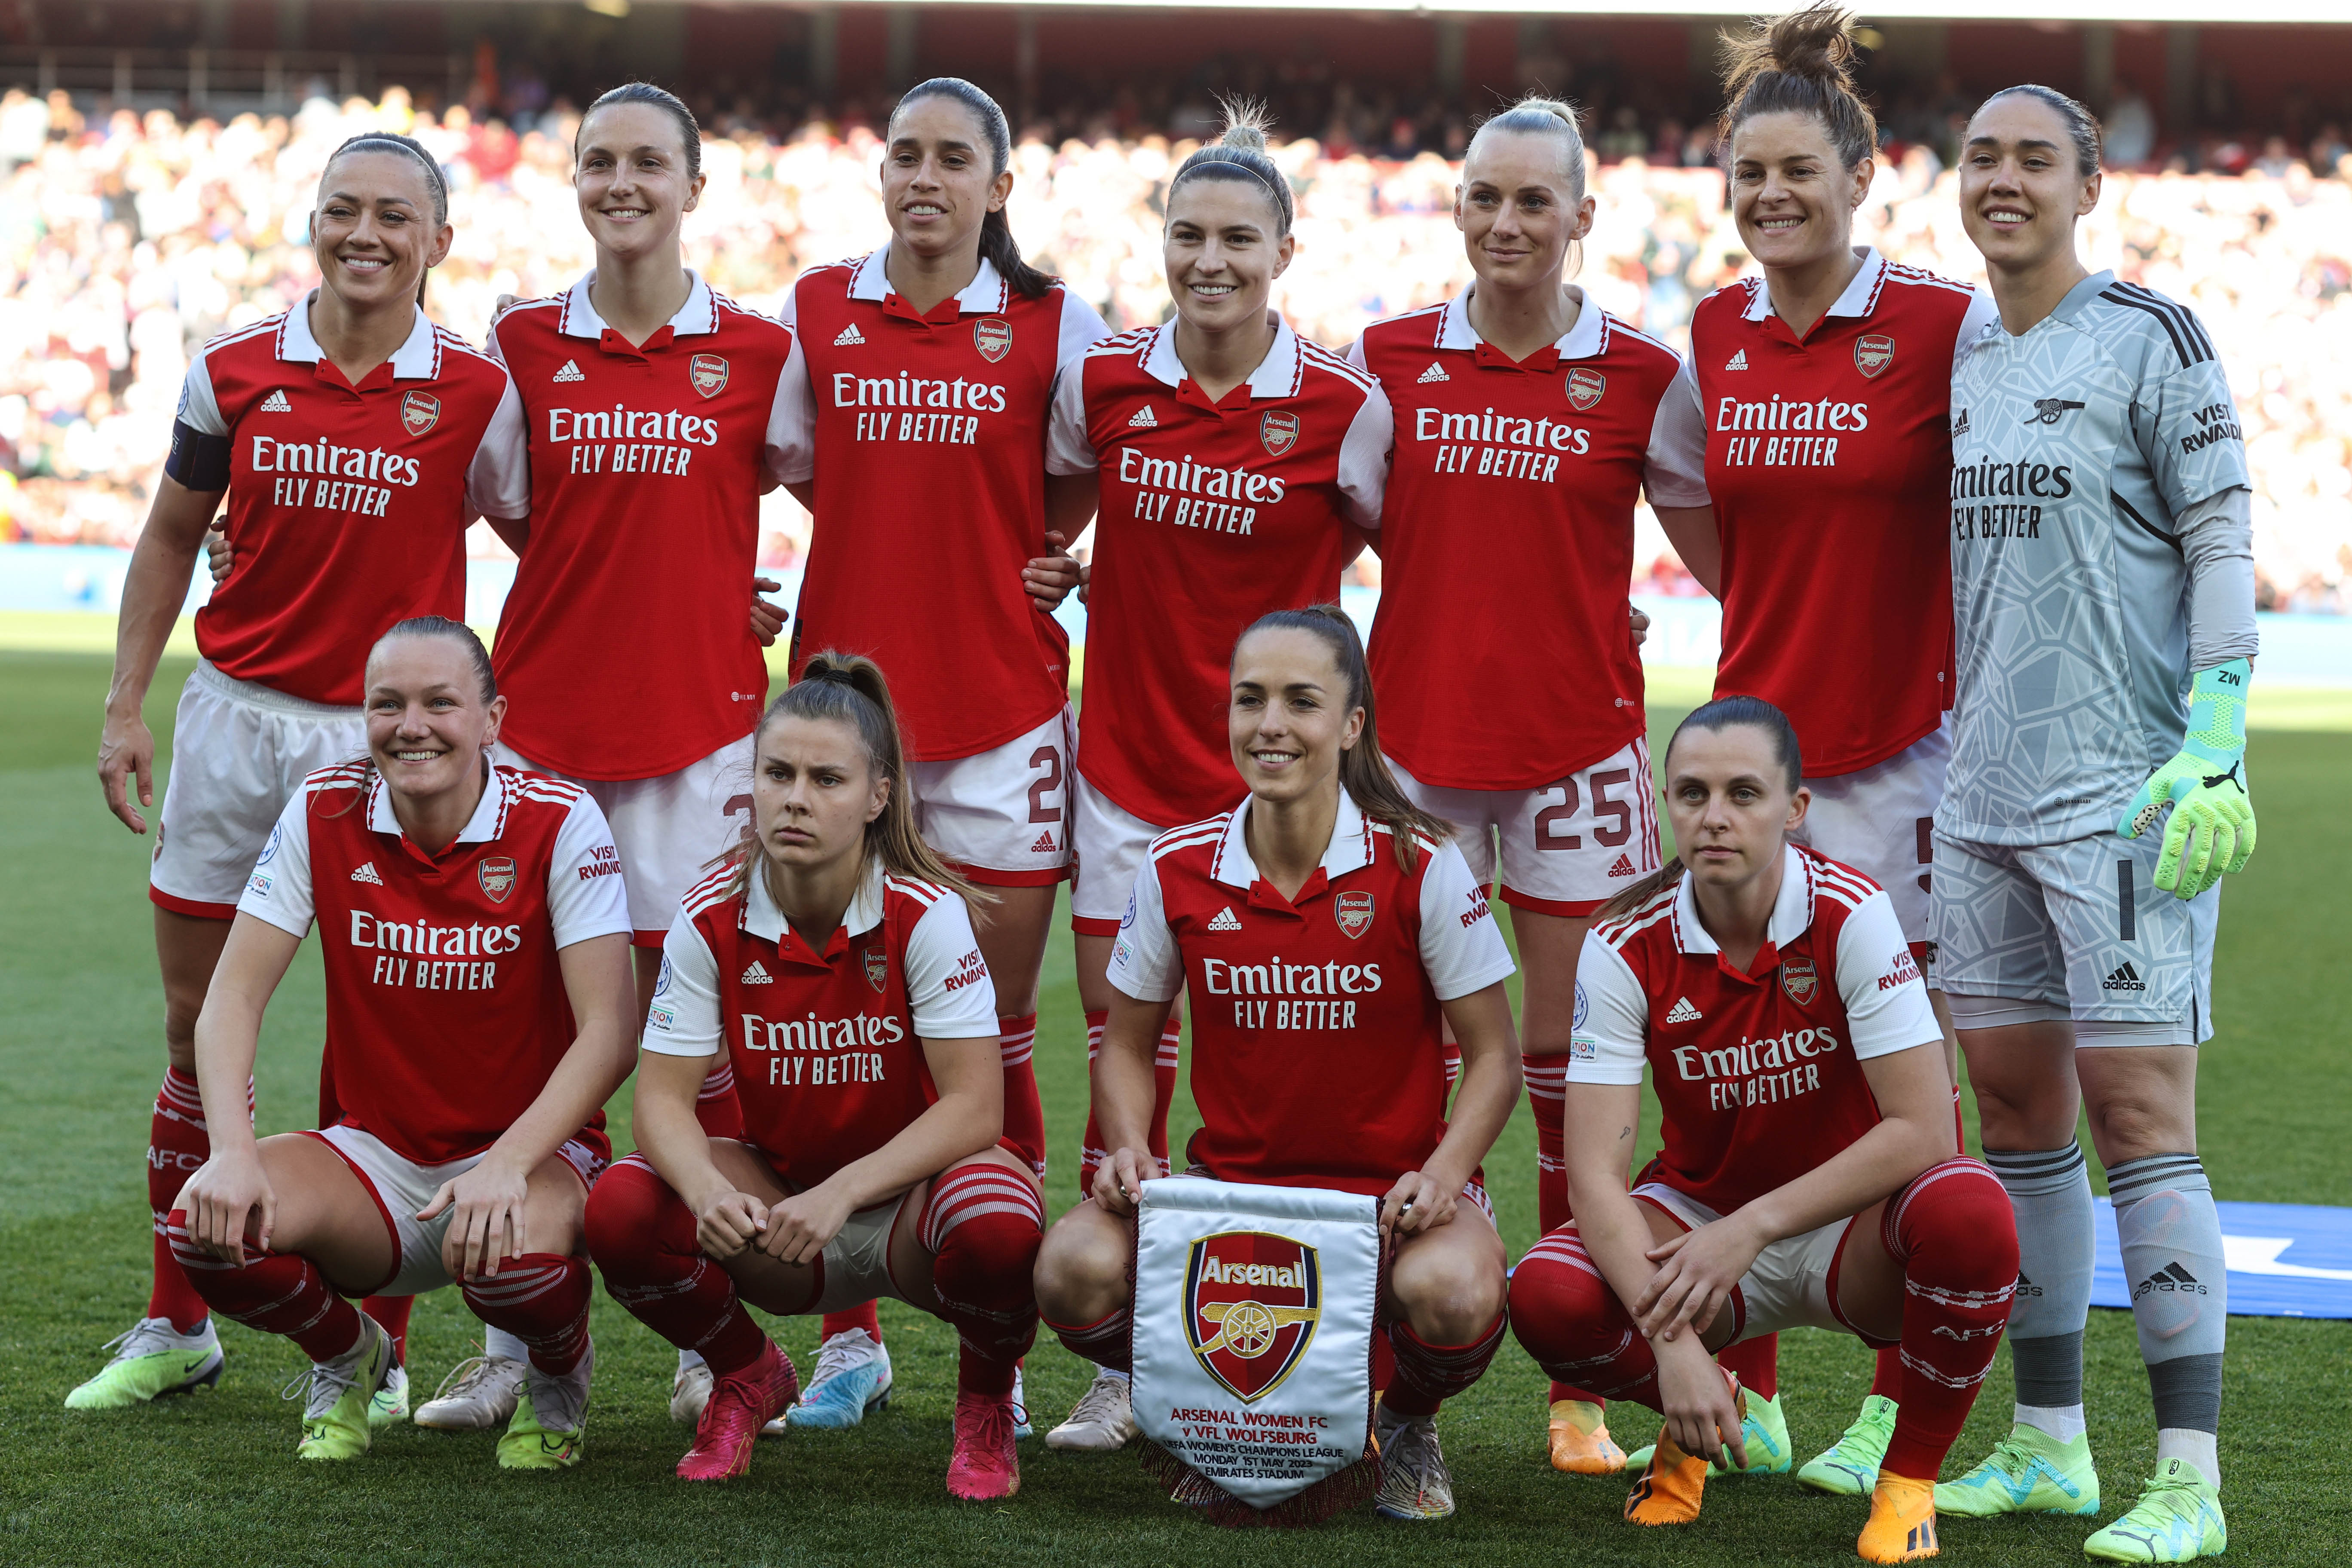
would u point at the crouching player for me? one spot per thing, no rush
(1807, 1176)
(833, 960)
(475, 942)
(1326, 932)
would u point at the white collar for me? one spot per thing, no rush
(418, 358)
(1350, 848)
(1276, 374)
(699, 314)
(490, 816)
(1792, 909)
(986, 293)
(762, 918)
(1860, 298)
(1587, 339)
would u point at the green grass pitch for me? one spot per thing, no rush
(211, 1479)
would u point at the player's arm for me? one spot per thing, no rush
(1674, 480)
(682, 1034)
(1692, 530)
(1481, 1021)
(1070, 503)
(1123, 1087)
(152, 592)
(232, 1187)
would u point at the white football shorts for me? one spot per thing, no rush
(1881, 821)
(1002, 815)
(1565, 849)
(1110, 843)
(238, 753)
(1792, 1284)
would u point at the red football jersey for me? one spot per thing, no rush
(445, 1008)
(927, 450)
(1212, 515)
(1319, 1056)
(826, 1041)
(625, 644)
(1506, 541)
(1758, 1071)
(347, 505)
(1830, 461)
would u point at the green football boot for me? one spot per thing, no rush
(390, 1405)
(1765, 1431)
(336, 1397)
(549, 1429)
(2028, 1471)
(2177, 1519)
(152, 1359)
(1849, 1467)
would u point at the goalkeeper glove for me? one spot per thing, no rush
(2212, 826)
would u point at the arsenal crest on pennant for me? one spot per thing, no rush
(1252, 1300)
(1278, 431)
(708, 373)
(496, 876)
(1585, 387)
(992, 336)
(1798, 979)
(1872, 354)
(878, 967)
(419, 412)
(1354, 913)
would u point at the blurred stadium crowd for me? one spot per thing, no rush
(125, 241)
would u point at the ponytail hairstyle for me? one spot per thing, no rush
(1364, 772)
(2082, 128)
(486, 679)
(1800, 63)
(1240, 155)
(690, 132)
(1723, 713)
(1534, 116)
(435, 183)
(996, 241)
(845, 688)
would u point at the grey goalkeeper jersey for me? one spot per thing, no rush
(2074, 446)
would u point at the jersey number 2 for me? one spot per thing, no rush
(1051, 761)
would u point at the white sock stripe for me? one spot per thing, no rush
(1912, 1363)
(1013, 1053)
(1967, 1300)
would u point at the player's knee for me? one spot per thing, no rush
(1955, 1222)
(1449, 1299)
(2132, 1125)
(623, 1216)
(1561, 1308)
(1081, 1273)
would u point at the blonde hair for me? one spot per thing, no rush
(1538, 116)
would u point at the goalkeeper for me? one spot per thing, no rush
(2103, 597)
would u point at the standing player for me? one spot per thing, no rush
(832, 963)
(1325, 866)
(1808, 1176)
(1824, 387)
(2101, 543)
(1528, 422)
(927, 369)
(475, 936)
(355, 442)
(1238, 464)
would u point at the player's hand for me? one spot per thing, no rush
(1417, 1203)
(230, 1189)
(218, 556)
(2212, 828)
(1697, 1271)
(506, 302)
(767, 620)
(728, 1222)
(1119, 1181)
(800, 1226)
(1050, 577)
(1085, 581)
(1701, 1415)
(1639, 624)
(126, 751)
(489, 1224)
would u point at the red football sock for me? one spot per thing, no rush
(716, 1107)
(177, 1146)
(1886, 1376)
(982, 1226)
(277, 1293)
(641, 1235)
(1546, 1079)
(392, 1313)
(1427, 1376)
(542, 1300)
(1105, 1342)
(1091, 1153)
(1025, 1117)
(1163, 1093)
(863, 1317)
(1755, 1363)
(1573, 1324)
(1955, 1233)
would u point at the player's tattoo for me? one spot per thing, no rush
(1624, 1134)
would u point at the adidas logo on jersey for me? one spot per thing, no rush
(1624, 866)
(849, 335)
(570, 372)
(757, 974)
(1144, 419)
(2124, 978)
(1684, 1013)
(276, 402)
(366, 873)
(1738, 361)
(1435, 372)
(1225, 920)
(1044, 845)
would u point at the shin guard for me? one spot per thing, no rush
(1574, 1327)
(1951, 1231)
(542, 1300)
(2171, 1235)
(641, 1235)
(982, 1225)
(276, 1293)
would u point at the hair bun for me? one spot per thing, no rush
(1247, 123)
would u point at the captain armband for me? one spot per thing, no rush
(198, 460)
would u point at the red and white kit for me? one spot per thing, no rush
(347, 507)
(628, 664)
(926, 444)
(1318, 1036)
(1829, 459)
(1212, 515)
(446, 1011)
(1505, 546)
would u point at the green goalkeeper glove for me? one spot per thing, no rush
(2212, 826)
